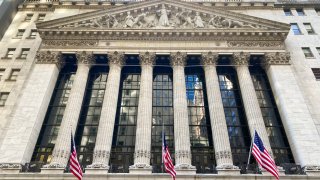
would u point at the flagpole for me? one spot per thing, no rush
(162, 144)
(252, 139)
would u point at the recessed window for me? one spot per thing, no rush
(318, 11)
(309, 28)
(2, 73)
(316, 73)
(300, 12)
(33, 34)
(3, 98)
(41, 17)
(287, 12)
(20, 33)
(24, 53)
(28, 17)
(14, 74)
(295, 28)
(318, 49)
(10, 53)
(307, 52)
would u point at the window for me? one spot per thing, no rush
(14, 74)
(295, 28)
(3, 98)
(318, 11)
(2, 73)
(309, 28)
(41, 17)
(10, 52)
(316, 72)
(300, 12)
(20, 33)
(124, 135)
(24, 53)
(33, 34)
(307, 52)
(318, 49)
(287, 12)
(28, 17)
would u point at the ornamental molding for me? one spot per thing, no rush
(50, 57)
(72, 43)
(162, 20)
(241, 58)
(276, 58)
(101, 154)
(210, 58)
(183, 154)
(223, 155)
(178, 59)
(142, 154)
(10, 166)
(147, 58)
(253, 44)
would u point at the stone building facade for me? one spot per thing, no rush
(118, 73)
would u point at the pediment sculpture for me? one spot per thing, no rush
(162, 18)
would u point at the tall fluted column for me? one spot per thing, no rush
(103, 145)
(181, 122)
(144, 119)
(61, 151)
(249, 98)
(29, 112)
(217, 116)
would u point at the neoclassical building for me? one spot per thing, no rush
(116, 74)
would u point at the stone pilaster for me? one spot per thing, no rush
(29, 112)
(103, 145)
(144, 119)
(249, 98)
(61, 152)
(217, 117)
(181, 122)
(301, 131)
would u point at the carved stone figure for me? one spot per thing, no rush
(164, 21)
(139, 20)
(198, 23)
(129, 21)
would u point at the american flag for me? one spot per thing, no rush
(75, 167)
(166, 158)
(262, 156)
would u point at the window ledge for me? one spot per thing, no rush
(19, 58)
(30, 38)
(6, 58)
(17, 38)
(10, 80)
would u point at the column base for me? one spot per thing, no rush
(312, 170)
(10, 168)
(97, 169)
(228, 169)
(52, 170)
(140, 169)
(185, 169)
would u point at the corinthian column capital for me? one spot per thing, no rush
(50, 57)
(147, 58)
(116, 58)
(276, 58)
(178, 59)
(85, 57)
(210, 58)
(241, 58)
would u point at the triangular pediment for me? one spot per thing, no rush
(163, 14)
